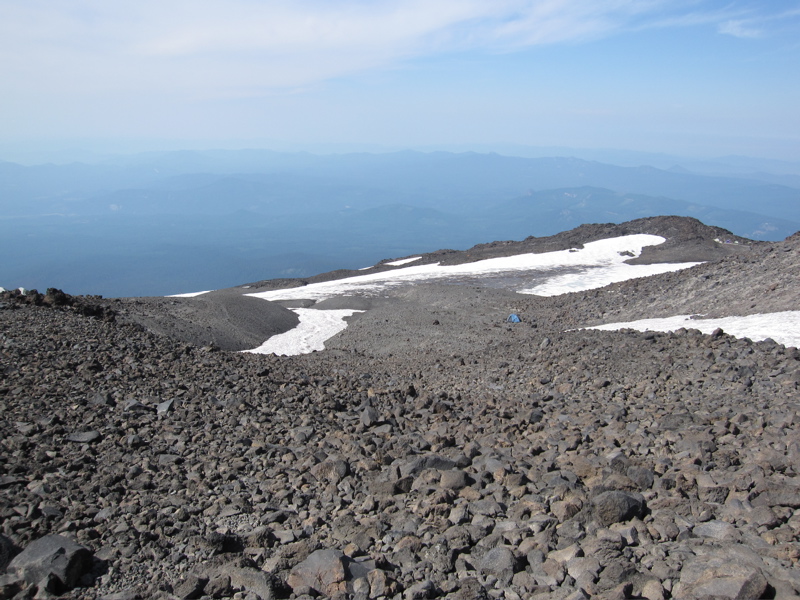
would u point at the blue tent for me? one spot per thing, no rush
(512, 318)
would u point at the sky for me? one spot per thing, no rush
(698, 78)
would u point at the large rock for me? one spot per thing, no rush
(332, 470)
(323, 571)
(52, 555)
(191, 587)
(251, 580)
(719, 530)
(780, 495)
(7, 551)
(725, 582)
(84, 437)
(499, 562)
(616, 506)
(732, 572)
(427, 461)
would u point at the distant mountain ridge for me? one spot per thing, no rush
(437, 179)
(161, 223)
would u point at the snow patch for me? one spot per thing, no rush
(403, 261)
(592, 260)
(601, 276)
(598, 263)
(783, 327)
(189, 294)
(315, 328)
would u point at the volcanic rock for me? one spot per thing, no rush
(467, 460)
(53, 556)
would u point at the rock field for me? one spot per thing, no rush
(432, 451)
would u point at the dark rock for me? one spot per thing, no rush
(536, 415)
(617, 573)
(616, 506)
(429, 461)
(165, 407)
(642, 477)
(85, 437)
(191, 588)
(779, 495)
(369, 416)
(7, 551)
(723, 582)
(251, 580)
(469, 588)
(420, 591)
(224, 542)
(53, 555)
(500, 562)
(323, 571)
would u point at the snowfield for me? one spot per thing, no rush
(403, 261)
(782, 327)
(315, 327)
(595, 265)
(189, 294)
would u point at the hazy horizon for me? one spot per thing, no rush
(692, 78)
(679, 107)
(31, 153)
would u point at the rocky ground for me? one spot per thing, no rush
(225, 318)
(228, 319)
(433, 451)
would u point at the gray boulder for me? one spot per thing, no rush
(84, 437)
(251, 580)
(323, 571)
(427, 461)
(500, 562)
(724, 582)
(617, 506)
(7, 551)
(52, 555)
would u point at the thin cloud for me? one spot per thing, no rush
(240, 47)
(304, 26)
(554, 21)
(754, 25)
(739, 29)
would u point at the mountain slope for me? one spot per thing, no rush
(432, 450)
(686, 241)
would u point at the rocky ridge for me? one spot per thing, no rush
(432, 451)
(687, 240)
